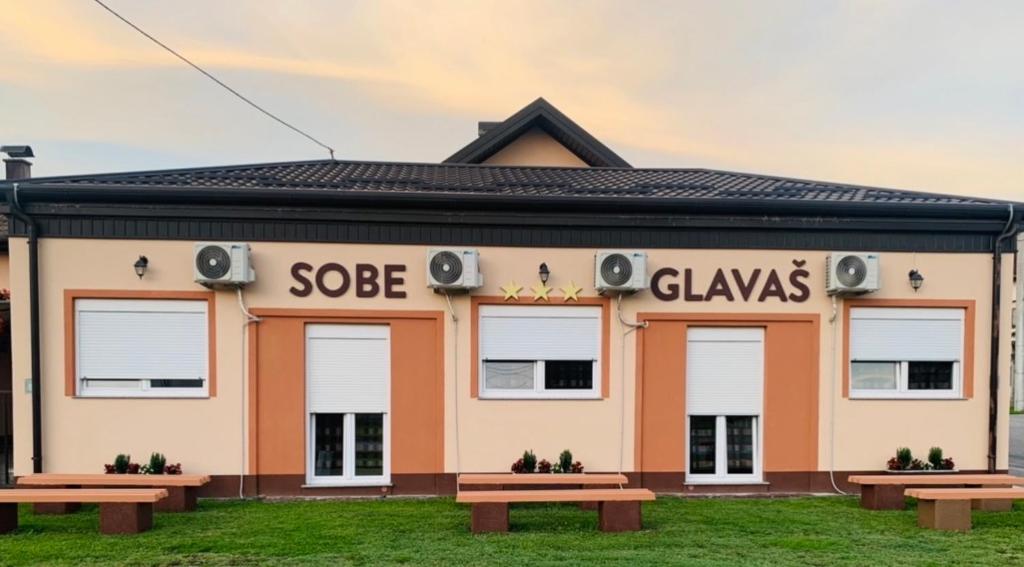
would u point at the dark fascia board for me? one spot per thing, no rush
(543, 114)
(447, 201)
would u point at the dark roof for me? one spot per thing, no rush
(451, 186)
(541, 114)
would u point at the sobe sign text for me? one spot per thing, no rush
(334, 280)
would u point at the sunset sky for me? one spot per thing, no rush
(922, 95)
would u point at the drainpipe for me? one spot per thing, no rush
(33, 294)
(1018, 358)
(993, 364)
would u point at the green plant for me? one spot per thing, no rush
(565, 461)
(121, 463)
(529, 462)
(935, 457)
(157, 462)
(904, 457)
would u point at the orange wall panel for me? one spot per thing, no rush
(791, 390)
(417, 389)
(281, 396)
(663, 411)
(791, 397)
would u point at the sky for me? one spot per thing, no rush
(925, 95)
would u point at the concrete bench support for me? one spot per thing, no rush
(179, 499)
(490, 517)
(882, 497)
(8, 518)
(619, 516)
(986, 505)
(948, 515)
(125, 517)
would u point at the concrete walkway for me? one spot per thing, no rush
(1017, 445)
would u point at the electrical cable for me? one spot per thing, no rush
(216, 80)
(455, 372)
(249, 319)
(622, 375)
(832, 404)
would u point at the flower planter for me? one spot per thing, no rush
(932, 471)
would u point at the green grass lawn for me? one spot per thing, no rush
(815, 531)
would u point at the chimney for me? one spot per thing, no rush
(483, 127)
(16, 165)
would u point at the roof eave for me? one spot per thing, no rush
(78, 193)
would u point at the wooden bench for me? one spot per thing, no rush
(618, 508)
(950, 508)
(886, 491)
(181, 488)
(512, 479)
(122, 510)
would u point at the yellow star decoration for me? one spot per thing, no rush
(511, 290)
(541, 291)
(572, 292)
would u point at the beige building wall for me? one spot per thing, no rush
(535, 147)
(206, 435)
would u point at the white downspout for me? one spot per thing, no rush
(1018, 330)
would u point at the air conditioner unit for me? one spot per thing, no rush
(454, 269)
(222, 263)
(852, 273)
(620, 270)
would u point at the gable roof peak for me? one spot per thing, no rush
(538, 114)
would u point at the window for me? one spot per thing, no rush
(142, 347)
(348, 374)
(906, 352)
(539, 351)
(723, 448)
(724, 400)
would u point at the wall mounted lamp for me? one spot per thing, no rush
(916, 279)
(544, 273)
(141, 265)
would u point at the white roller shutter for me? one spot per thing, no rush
(913, 334)
(348, 368)
(724, 371)
(143, 339)
(539, 333)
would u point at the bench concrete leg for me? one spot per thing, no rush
(619, 516)
(125, 518)
(883, 497)
(8, 518)
(950, 515)
(490, 517)
(53, 508)
(56, 507)
(179, 499)
(992, 505)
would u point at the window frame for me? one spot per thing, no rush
(539, 390)
(349, 477)
(145, 390)
(722, 475)
(902, 390)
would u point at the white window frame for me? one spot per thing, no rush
(902, 390)
(348, 447)
(349, 477)
(721, 475)
(144, 390)
(539, 392)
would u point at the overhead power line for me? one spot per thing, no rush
(218, 81)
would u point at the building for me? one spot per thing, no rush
(338, 370)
